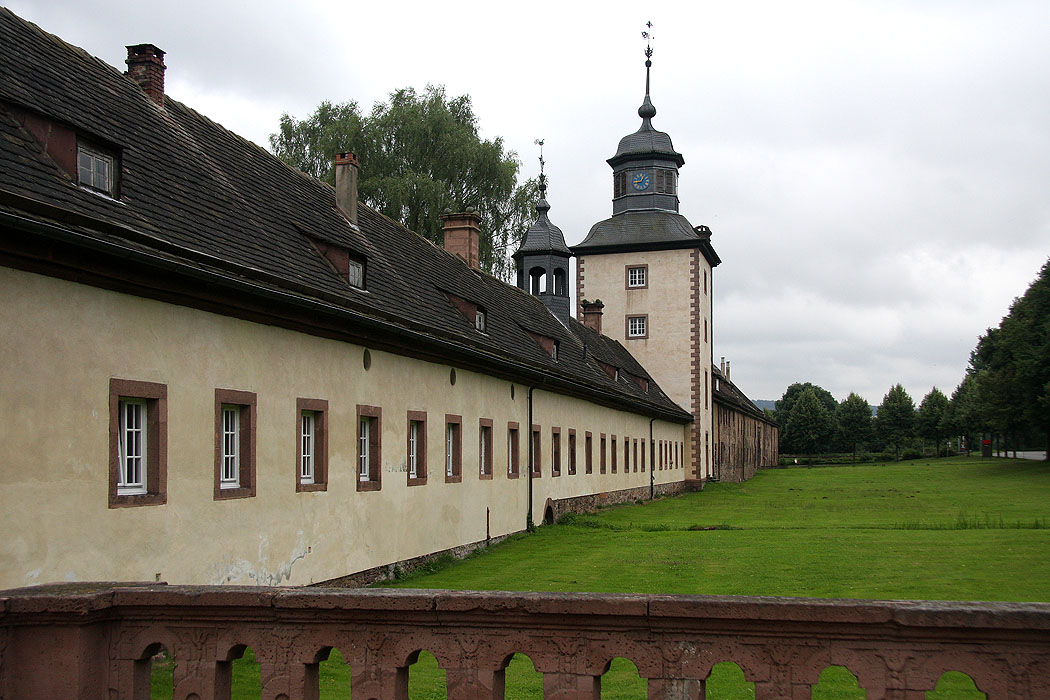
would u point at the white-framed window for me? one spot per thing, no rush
(308, 435)
(636, 277)
(636, 326)
(132, 445)
(413, 449)
(481, 320)
(450, 450)
(484, 442)
(356, 274)
(95, 170)
(363, 452)
(231, 447)
(554, 351)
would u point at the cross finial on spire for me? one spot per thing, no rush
(543, 177)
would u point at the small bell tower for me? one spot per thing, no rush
(542, 260)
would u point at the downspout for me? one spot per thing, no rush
(652, 465)
(529, 523)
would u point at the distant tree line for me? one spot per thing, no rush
(1004, 396)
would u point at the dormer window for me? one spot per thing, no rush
(481, 320)
(554, 351)
(356, 273)
(96, 170)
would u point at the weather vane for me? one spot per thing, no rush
(543, 178)
(648, 36)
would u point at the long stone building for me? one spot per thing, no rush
(220, 370)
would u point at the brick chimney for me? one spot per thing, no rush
(146, 67)
(463, 235)
(727, 373)
(592, 314)
(346, 185)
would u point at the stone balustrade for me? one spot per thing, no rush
(96, 641)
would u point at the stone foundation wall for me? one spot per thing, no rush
(592, 502)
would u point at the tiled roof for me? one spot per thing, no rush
(542, 236)
(640, 227)
(198, 198)
(729, 394)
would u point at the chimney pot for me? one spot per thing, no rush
(592, 314)
(463, 235)
(346, 185)
(727, 373)
(146, 67)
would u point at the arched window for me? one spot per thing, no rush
(559, 282)
(538, 280)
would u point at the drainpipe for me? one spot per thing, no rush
(652, 465)
(529, 523)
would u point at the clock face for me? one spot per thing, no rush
(640, 181)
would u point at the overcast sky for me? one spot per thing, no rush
(875, 173)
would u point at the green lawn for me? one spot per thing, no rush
(947, 529)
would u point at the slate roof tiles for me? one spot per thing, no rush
(193, 192)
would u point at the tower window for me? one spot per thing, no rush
(637, 276)
(619, 184)
(637, 327)
(665, 181)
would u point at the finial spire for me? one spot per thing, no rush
(543, 177)
(647, 111)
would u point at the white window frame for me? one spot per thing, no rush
(132, 436)
(231, 447)
(636, 277)
(450, 443)
(481, 320)
(355, 274)
(483, 441)
(308, 435)
(98, 170)
(554, 351)
(636, 326)
(364, 449)
(413, 449)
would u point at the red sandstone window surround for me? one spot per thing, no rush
(485, 448)
(613, 453)
(537, 464)
(588, 453)
(138, 443)
(416, 448)
(235, 438)
(635, 447)
(601, 454)
(636, 276)
(453, 449)
(572, 451)
(627, 456)
(636, 327)
(555, 451)
(312, 436)
(513, 451)
(369, 448)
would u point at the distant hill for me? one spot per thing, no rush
(765, 403)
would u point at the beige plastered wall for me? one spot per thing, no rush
(62, 342)
(668, 354)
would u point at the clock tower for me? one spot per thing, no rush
(652, 269)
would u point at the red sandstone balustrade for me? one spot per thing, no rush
(96, 640)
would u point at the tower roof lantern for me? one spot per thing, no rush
(543, 237)
(647, 142)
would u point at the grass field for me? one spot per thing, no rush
(947, 529)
